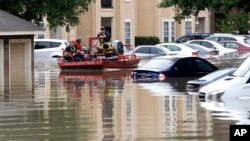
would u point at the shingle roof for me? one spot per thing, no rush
(10, 23)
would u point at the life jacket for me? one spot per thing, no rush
(72, 50)
(77, 45)
(108, 50)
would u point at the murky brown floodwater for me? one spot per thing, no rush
(108, 106)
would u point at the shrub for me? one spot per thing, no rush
(146, 40)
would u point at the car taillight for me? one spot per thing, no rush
(162, 76)
(214, 52)
(195, 53)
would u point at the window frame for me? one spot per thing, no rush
(170, 34)
(127, 31)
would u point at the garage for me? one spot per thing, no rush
(16, 54)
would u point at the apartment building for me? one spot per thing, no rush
(125, 19)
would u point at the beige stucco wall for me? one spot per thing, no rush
(1, 66)
(207, 15)
(87, 25)
(146, 19)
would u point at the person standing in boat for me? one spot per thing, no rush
(71, 54)
(102, 34)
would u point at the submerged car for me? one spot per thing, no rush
(180, 49)
(160, 68)
(149, 51)
(193, 86)
(49, 48)
(240, 77)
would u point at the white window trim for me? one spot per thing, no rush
(127, 0)
(128, 21)
(184, 25)
(169, 29)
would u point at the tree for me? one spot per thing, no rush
(57, 12)
(235, 9)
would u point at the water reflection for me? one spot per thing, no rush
(106, 106)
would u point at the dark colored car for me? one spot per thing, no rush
(160, 68)
(193, 36)
(193, 86)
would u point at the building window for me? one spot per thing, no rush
(106, 4)
(128, 32)
(188, 27)
(41, 36)
(168, 31)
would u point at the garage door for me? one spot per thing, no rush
(17, 66)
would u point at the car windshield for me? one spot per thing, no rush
(158, 64)
(243, 69)
(216, 74)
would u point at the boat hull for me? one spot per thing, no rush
(97, 64)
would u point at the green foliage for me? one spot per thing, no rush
(234, 22)
(186, 8)
(146, 40)
(57, 12)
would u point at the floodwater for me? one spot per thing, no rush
(106, 106)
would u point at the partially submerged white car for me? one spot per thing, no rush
(49, 48)
(240, 77)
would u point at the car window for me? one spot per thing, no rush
(227, 39)
(231, 45)
(197, 47)
(55, 44)
(158, 64)
(154, 50)
(196, 42)
(182, 39)
(217, 73)
(247, 41)
(185, 66)
(173, 47)
(200, 37)
(243, 68)
(39, 47)
(214, 39)
(42, 45)
(203, 66)
(143, 50)
(207, 44)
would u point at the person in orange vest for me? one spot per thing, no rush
(77, 43)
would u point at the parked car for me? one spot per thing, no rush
(149, 51)
(193, 36)
(239, 38)
(179, 49)
(240, 77)
(204, 52)
(160, 68)
(49, 48)
(243, 49)
(214, 45)
(193, 86)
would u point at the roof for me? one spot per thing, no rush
(13, 25)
